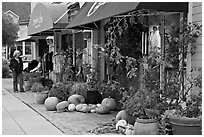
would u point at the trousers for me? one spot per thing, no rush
(17, 77)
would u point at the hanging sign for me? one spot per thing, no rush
(94, 8)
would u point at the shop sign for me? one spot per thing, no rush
(37, 21)
(94, 8)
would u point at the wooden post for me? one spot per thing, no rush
(162, 33)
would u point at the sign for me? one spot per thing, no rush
(37, 21)
(95, 7)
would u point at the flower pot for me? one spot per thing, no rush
(41, 97)
(146, 127)
(185, 126)
(27, 85)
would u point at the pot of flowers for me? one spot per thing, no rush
(27, 83)
(40, 92)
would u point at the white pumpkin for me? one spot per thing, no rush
(129, 130)
(71, 107)
(51, 103)
(98, 105)
(121, 125)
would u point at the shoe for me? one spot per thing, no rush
(16, 91)
(22, 91)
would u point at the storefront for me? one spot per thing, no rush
(49, 20)
(94, 16)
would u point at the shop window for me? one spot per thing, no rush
(20, 48)
(27, 48)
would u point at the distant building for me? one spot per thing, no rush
(20, 13)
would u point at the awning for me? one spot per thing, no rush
(47, 17)
(24, 37)
(94, 11)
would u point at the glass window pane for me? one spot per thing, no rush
(27, 50)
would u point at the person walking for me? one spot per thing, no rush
(16, 65)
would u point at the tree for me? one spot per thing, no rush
(9, 30)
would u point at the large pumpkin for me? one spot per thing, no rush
(110, 103)
(51, 103)
(76, 99)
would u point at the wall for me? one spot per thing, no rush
(194, 62)
(195, 15)
(196, 59)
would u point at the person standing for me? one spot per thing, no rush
(16, 65)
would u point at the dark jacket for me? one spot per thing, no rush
(16, 66)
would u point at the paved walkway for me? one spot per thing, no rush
(19, 119)
(70, 123)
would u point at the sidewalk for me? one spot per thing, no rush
(70, 123)
(19, 119)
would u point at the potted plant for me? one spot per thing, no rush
(186, 117)
(40, 92)
(27, 83)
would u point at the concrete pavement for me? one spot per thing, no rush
(70, 123)
(19, 119)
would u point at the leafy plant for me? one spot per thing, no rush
(61, 91)
(38, 87)
(80, 88)
(26, 76)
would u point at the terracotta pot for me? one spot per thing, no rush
(41, 97)
(27, 85)
(146, 127)
(185, 126)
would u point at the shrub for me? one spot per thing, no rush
(37, 87)
(5, 71)
(61, 91)
(80, 88)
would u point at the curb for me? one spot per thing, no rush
(34, 110)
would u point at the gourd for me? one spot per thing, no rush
(85, 109)
(110, 103)
(76, 99)
(121, 115)
(79, 107)
(121, 125)
(51, 103)
(71, 107)
(62, 105)
(103, 110)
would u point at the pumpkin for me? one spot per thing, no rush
(85, 109)
(129, 129)
(62, 105)
(76, 99)
(51, 103)
(93, 106)
(103, 110)
(121, 125)
(110, 103)
(79, 107)
(71, 107)
(121, 115)
(93, 111)
(98, 105)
